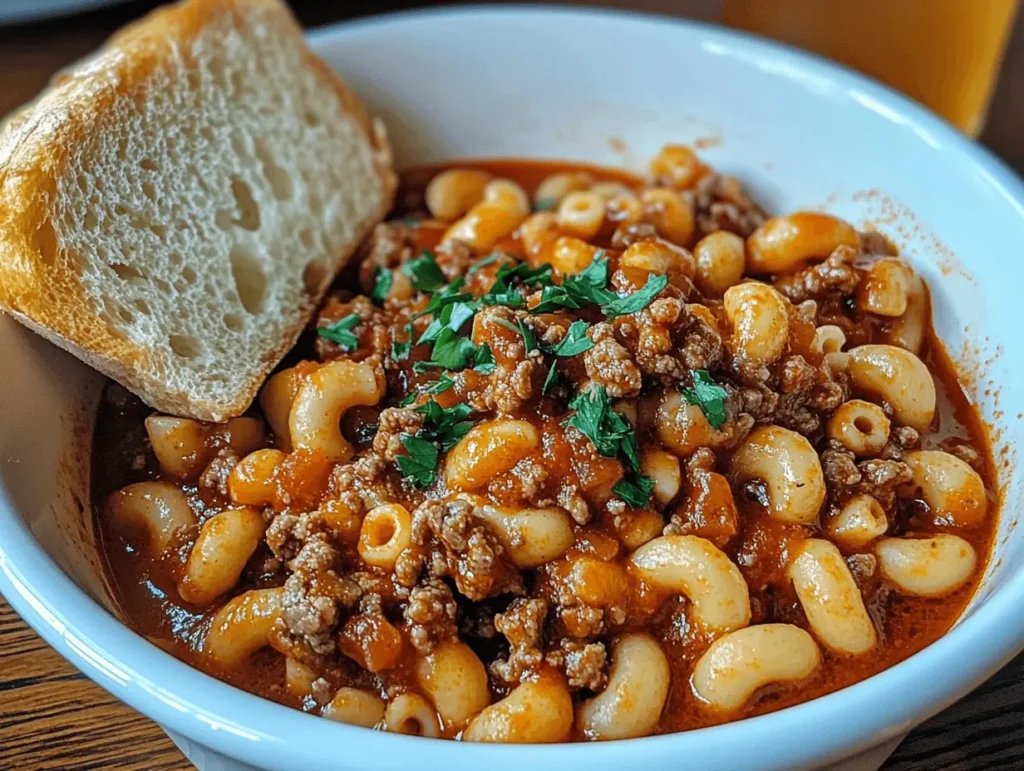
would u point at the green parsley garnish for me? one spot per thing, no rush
(420, 465)
(636, 302)
(501, 291)
(452, 316)
(439, 386)
(635, 490)
(400, 350)
(539, 275)
(450, 294)
(575, 341)
(451, 351)
(590, 287)
(483, 359)
(707, 395)
(552, 380)
(554, 297)
(512, 298)
(424, 272)
(545, 204)
(382, 281)
(490, 259)
(529, 338)
(609, 432)
(445, 425)
(340, 332)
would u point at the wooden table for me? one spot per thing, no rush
(52, 717)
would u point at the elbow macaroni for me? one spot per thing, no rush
(455, 678)
(927, 567)
(453, 192)
(720, 262)
(158, 508)
(411, 714)
(355, 706)
(599, 568)
(218, 557)
(786, 243)
(860, 426)
(759, 319)
(885, 289)
(243, 626)
(504, 208)
(385, 533)
(637, 688)
(788, 465)
(532, 537)
(693, 566)
(323, 397)
(861, 520)
(831, 598)
(739, 663)
(489, 449)
(897, 376)
(535, 712)
(954, 492)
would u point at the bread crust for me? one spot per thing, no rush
(39, 282)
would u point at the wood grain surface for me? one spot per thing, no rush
(53, 718)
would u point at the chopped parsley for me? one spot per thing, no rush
(634, 489)
(554, 297)
(340, 332)
(608, 431)
(451, 351)
(483, 359)
(448, 296)
(575, 341)
(490, 259)
(539, 275)
(529, 338)
(424, 272)
(452, 316)
(577, 290)
(420, 465)
(400, 350)
(439, 386)
(636, 302)
(545, 204)
(552, 380)
(707, 395)
(443, 426)
(511, 298)
(590, 287)
(382, 281)
(501, 291)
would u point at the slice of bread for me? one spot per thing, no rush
(173, 209)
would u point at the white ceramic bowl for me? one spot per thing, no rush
(608, 88)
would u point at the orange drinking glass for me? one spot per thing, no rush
(944, 53)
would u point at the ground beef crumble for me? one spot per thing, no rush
(430, 614)
(835, 276)
(461, 545)
(522, 624)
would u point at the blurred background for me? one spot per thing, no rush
(962, 58)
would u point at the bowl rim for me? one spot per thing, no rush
(258, 731)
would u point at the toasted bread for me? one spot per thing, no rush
(173, 209)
